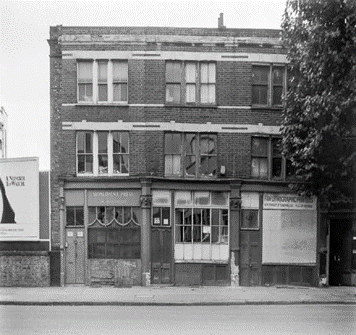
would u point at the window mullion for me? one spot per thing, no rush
(110, 154)
(110, 81)
(95, 154)
(270, 84)
(95, 81)
(197, 156)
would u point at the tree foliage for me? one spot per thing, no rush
(319, 115)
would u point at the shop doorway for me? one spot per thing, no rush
(161, 255)
(340, 252)
(250, 257)
(75, 256)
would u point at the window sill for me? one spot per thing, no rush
(264, 107)
(102, 175)
(187, 105)
(208, 261)
(104, 104)
(190, 178)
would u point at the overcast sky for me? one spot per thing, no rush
(24, 30)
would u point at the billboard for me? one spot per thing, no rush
(19, 199)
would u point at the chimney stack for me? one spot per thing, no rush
(221, 21)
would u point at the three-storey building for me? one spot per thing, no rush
(165, 160)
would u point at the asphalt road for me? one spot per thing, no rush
(291, 319)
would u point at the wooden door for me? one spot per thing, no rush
(250, 257)
(161, 255)
(75, 255)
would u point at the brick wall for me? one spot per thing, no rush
(24, 269)
(147, 86)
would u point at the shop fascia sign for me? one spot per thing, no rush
(288, 201)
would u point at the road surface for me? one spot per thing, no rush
(88, 320)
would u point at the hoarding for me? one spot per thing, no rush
(289, 229)
(19, 199)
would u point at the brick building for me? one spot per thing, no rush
(165, 164)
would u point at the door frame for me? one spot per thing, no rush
(75, 229)
(258, 231)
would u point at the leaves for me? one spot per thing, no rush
(319, 115)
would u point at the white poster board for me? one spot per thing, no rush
(290, 234)
(19, 199)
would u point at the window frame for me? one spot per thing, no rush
(109, 81)
(184, 82)
(96, 154)
(85, 82)
(245, 210)
(196, 154)
(270, 157)
(75, 210)
(85, 154)
(270, 84)
(194, 208)
(121, 224)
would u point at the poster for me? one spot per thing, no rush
(19, 199)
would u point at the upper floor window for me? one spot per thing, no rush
(190, 82)
(102, 81)
(191, 154)
(267, 161)
(85, 81)
(268, 85)
(102, 152)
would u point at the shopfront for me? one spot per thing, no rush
(103, 237)
(289, 239)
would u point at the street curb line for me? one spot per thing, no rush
(133, 303)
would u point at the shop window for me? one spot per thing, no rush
(114, 232)
(103, 153)
(190, 154)
(201, 227)
(103, 81)
(268, 85)
(191, 82)
(74, 216)
(267, 161)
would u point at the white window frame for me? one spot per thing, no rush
(96, 153)
(109, 82)
(197, 83)
(190, 249)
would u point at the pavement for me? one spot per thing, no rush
(176, 296)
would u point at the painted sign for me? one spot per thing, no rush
(19, 199)
(288, 201)
(114, 198)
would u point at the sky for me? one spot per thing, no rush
(24, 51)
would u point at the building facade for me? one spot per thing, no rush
(165, 160)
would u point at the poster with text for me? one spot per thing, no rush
(19, 199)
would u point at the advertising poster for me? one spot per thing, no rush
(19, 199)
